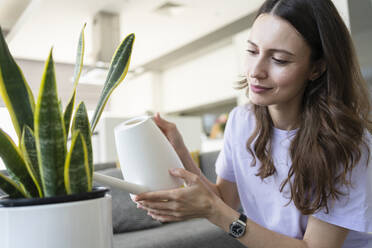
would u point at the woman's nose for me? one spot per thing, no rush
(257, 69)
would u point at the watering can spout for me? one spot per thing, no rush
(121, 184)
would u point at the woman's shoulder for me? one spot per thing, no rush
(367, 137)
(241, 121)
(365, 149)
(242, 112)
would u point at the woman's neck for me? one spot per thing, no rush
(285, 117)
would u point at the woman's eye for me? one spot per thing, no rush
(251, 51)
(280, 61)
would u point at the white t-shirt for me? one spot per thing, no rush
(262, 200)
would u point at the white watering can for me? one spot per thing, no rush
(145, 157)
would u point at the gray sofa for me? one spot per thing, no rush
(134, 228)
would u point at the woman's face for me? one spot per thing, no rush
(278, 63)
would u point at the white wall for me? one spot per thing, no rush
(240, 45)
(343, 8)
(206, 79)
(104, 149)
(133, 96)
(190, 128)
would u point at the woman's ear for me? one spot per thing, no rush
(319, 67)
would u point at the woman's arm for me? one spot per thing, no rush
(318, 234)
(197, 201)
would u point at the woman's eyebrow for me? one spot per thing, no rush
(273, 49)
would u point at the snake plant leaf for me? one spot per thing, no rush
(28, 149)
(50, 134)
(81, 122)
(77, 71)
(60, 105)
(11, 188)
(77, 178)
(15, 91)
(68, 113)
(117, 71)
(16, 166)
(79, 58)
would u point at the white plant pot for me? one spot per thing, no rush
(80, 223)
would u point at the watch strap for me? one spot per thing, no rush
(243, 218)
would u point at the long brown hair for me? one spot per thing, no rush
(334, 113)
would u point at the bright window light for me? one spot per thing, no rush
(7, 126)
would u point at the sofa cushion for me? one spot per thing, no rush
(185, 234)
(125, 214)
(207, 164)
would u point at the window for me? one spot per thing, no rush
(7, 126)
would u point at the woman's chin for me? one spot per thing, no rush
(258, 100)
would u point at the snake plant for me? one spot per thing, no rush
(42, 165)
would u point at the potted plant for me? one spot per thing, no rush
(50, 199)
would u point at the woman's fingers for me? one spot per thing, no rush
(163, 205)
(163, 212)
(170, 131)
(164, 195)
(181, 203)
(161, 123)
(188, 177)
(160, 211)
(165, 218)
(163, 215)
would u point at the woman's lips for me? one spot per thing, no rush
(259, 89)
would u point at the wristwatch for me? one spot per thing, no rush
(237, 228)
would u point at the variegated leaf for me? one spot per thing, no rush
(77, 178)
(28, 148)
(15, 91)
(11, 188)
(16, 165)
(68, 113)
(50, 134)
(77, 71)
(117, 71)
(81, 122)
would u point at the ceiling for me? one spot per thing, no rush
(36, 25)
(32, 27)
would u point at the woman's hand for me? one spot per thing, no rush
(173, 135)
(171, 132)
(193, 201)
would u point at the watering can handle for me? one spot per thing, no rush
(121, 184)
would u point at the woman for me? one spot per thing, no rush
(297, 157)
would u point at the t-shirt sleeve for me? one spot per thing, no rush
(224, 165)
(354, 211)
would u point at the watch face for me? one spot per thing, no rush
(237, 229)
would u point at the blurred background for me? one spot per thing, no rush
(186, 58)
